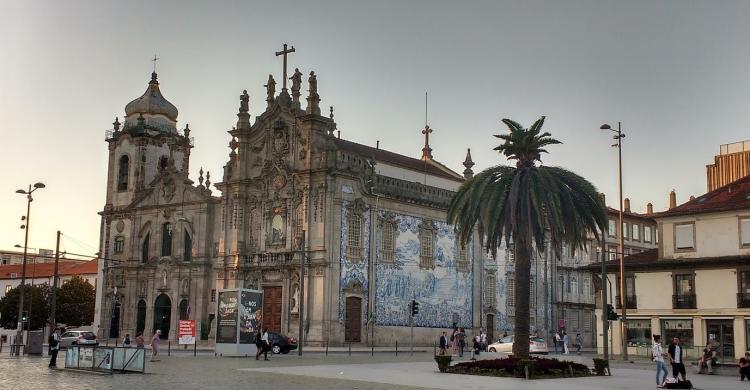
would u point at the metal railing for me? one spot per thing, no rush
(683, 301)
(631, 302)
(743, 300)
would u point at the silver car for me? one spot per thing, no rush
(77, 337)
(505, 345)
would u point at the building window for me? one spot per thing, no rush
(489, 290)
(462, 262)
(213, 295)
(630, 297)
(684, 237)
(639, 332)
(684, 291)
(677, 328)
(145, 248)
(354, 238)
(745, 232)
(300, 222)
(119, 244)
(122, 174)
(188, 249)
(586, 321)
(612, 231)
(6, 260)
(647, 234)
(747, 335)
(427, 245)
(656, 235)
(625, 230)
(572, 320)
(511, 291)
(532, 294)
(586, 287)
(636, 232)
(387, 242)
(561, 286)
(743, 294)
(612, 253)
(166, 239)
(8, 288)
(573, 285)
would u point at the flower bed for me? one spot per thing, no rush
(514, 367)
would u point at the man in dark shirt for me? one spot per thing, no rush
(443, 343)
(677, 353)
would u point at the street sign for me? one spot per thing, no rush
(186, 332)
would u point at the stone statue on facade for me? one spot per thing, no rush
(270, 88)
(313, 80)
(244, 102)
(296, 82)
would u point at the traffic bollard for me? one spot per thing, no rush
(396, 347)
(350, 349)
(195, 347)
(169, 348)
(373, 351)
(326, 348)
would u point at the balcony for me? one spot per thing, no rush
(631, 302)
(683, 301)
(743, 300)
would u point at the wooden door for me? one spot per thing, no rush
(353, 320)
(272, 308)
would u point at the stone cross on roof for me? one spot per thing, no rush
(284, 53)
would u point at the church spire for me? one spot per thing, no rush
(427, 150)
(468, 173)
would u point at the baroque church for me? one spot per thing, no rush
(338, 235)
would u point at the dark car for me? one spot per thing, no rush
(281, 344)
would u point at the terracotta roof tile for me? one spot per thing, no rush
(733, 196)
(43, 270)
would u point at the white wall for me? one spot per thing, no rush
(413, 176)
(716, 234)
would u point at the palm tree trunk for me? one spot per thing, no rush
(523, 277)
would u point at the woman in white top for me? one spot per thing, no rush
(657, 355)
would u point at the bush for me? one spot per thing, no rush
(443, 362)
(600, 366)
(512, 366)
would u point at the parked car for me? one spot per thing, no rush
(281, 344)
(505, 344)
(77, 337)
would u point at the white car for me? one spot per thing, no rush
(505, 345)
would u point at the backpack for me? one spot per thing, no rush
(678, 385)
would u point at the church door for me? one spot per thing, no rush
(490, 328)
(272, 308)
(114, 325)
(140, 323)
(163, 315)
(353, 320)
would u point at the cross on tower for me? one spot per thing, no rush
(427, 150)
(284, 53)
(154, 60)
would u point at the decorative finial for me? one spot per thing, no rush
(427, 150)
(200, 177)
(313, 99)
(208, 179)
(154, 60)
(116, 124)
(468, 164)
(331, 114)
(233, 145)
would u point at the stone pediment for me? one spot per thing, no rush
(170, 188)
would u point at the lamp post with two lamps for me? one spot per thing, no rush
(29, 198)
(620, 238)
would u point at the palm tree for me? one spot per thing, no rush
(525, 205)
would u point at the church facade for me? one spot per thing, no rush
(338, 235)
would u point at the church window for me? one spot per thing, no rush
(300, 223)
(462, 256)
(427, 246)
(122, 175)
(489, 290)
(145, 248)
(511, 291)
(163, 162)
(188, 243)
(387, 243)
(532, 293)
(354, 239)
(166, 239)
(119, 244)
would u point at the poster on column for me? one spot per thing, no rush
(250, 315)
(226, 329)
(187, 332)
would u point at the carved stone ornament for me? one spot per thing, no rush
(280, 139)
(120, 226)
(278, 182)
(354, 287)
(168, 190)
(358, 206)
(272, 276)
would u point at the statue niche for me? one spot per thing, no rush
(277, 224)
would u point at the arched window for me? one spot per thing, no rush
(119, 244)
(145, 248)
(166, 239)
(122, 174)
(188, 249)
(163, 162)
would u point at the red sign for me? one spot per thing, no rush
(187, 331)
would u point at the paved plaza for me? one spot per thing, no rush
(182, 371)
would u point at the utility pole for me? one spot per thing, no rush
(605, 320)
(52, 317)
(301, 293)
(411, 325)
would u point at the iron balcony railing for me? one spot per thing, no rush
(743, 300)
(683, 301)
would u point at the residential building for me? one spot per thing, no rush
(44, 273)
(8, 257)
(696, 284)
(731, 164)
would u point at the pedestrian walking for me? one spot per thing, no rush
(745, 367)
(483, 339)
(461, 342)
(266, 346)
(579, 343)
(443, 343)
(657, 356)
(677, 353)
(258, 344)
(556, 340)
(565, 340)
(126, 341)
(476, 346)
(454, 341)
(54, 347)
(139, 342)
(155, 341)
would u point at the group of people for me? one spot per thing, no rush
(457, 342)
(675, 356)
(261, 344)
(563, 342)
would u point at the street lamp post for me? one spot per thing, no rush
(29, 198)
(620, 238)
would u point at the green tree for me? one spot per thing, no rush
(35, 302)
(76, 299)
(524, 205)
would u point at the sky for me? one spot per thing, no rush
(674, 73)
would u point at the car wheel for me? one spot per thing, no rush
(492, 350)
(276, 349)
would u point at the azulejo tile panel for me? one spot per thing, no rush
(354, 271)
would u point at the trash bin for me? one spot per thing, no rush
(35, 342)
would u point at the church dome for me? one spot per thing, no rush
(152, 102)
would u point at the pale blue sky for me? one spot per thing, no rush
(674, 72)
